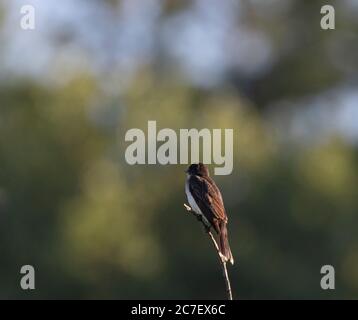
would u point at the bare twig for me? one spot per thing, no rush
(221, 258)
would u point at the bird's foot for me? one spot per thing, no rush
(222, 257)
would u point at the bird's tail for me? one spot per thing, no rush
(224, 244)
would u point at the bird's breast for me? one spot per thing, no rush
(191, 199)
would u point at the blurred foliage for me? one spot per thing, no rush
(95, 227)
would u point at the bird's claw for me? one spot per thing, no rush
(222, 257)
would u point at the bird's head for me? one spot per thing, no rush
(198, 169)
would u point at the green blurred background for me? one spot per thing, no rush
(95, 227)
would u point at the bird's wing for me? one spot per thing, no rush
(208, 197)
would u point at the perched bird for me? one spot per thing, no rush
(205, 200)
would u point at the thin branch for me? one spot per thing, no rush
(221, 257)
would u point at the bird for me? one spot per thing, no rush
(206, 201)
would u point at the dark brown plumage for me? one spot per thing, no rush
(205, 199)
